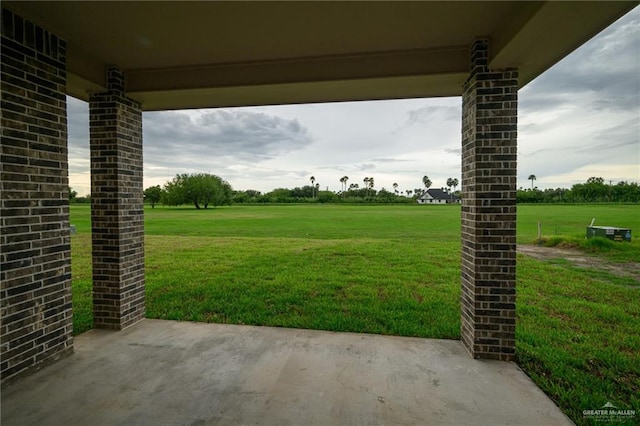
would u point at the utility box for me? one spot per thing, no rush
(610, 232)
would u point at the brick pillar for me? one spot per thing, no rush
(35, 257)
(117, 224)
(489, 143)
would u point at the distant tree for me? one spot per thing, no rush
(343, 188)
(449, 185)
(153, 195)
(313, 180)
(343, 181)
(247, 196)
(427, 182)
(532, 178)
(173, 192)
(594, 190)
(278, 195)
(596, 180)
(306, 191)
(384, 196)
(395, 187)
(368, 186)
(241, 197)
(452, 182)
(72, 194)
(626, 192)
(327, 197)
(197, 189)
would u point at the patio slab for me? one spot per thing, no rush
(181, 373)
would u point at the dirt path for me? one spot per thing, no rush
(582, 260)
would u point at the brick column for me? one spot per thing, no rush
(117, 219)
(489, 143)
(35, 256)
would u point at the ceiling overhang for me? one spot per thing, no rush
(179, 55)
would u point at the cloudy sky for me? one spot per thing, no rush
(579, 119)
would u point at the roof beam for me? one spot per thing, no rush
(304, 92)
(373, 66)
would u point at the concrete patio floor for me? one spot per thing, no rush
(181, 373)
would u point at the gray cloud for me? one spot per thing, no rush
(390, 160)
(363, 167)
(244, 136)
(622, 133)
(603, 73)
(428, 114)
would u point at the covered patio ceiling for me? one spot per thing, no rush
(179, 55)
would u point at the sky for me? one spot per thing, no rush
(580, 118)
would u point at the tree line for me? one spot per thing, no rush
(312, 194)
(206, 190)
(594, 190)
(349, 193)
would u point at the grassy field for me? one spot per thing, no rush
(392, 270)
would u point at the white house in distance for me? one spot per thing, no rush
(437, 196)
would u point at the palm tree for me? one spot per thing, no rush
(454, 183)
(532, 178)
(449, 183)
(313, 180)
(346, 179)
(366, 184)
(426, 181)
(343, 181)
(395, 187)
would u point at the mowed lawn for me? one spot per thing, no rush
(391, 269)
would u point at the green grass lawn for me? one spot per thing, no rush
(566, 225)
(391, 269)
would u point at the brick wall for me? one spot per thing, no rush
(116, 206)
(489, 155)
(35, 269)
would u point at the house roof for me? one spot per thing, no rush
(212, 54)
(438, 194)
